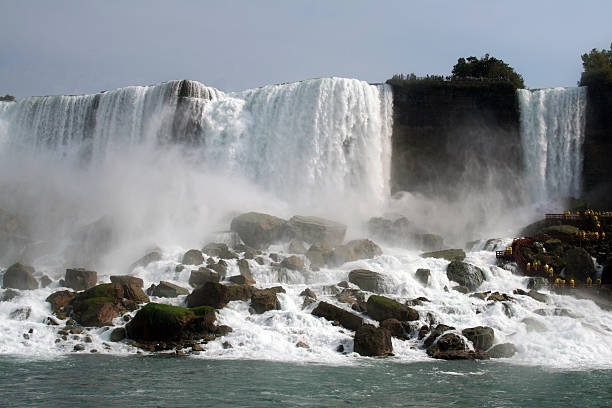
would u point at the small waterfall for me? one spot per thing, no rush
(552, 133)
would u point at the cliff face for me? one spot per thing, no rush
(597, 172)
(452, 137)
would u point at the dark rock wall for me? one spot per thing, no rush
(453, 136)
(597, 172)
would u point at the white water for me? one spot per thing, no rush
(314, 147)
(552, 133)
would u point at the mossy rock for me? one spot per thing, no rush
(203, 310)
(158, 321)
(448, 254)
(95, 311)
(381, 308)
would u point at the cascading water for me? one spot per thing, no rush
(552, 133)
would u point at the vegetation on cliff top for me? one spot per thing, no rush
(7, 98)
(597, 66)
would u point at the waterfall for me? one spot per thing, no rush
(552, 133)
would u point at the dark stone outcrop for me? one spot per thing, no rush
(193, 257)
(201, 276)
(372, 341)
(219, 250)
(259, 230)
(578, 265)
(59, 300)
(504, 350)
(167, 289)
(333, 313)
(156, 321)
(80, 279)
(465, 274)
(423, 275)
(314, 229)
(435, 333)
(481, 336)
(242, 280)
(19, 276)
(126, 280)
(319, 254)
(293, 262)
(264, 300)
(382, 308)
(217, 295)
(448, 254)
(395, 327)
(367, 280)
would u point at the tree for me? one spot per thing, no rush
(487, 67)
(597, 66)
(7, 98)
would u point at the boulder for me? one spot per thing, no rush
(118, 334)
(297, 247)
(19, 276)
(367, 280)
(451, 346)
(540, 297)
(340, 255)
(80, 279)
(395, 327)
(319, 254)
(242, 280)
(315, 229)
(564, 232)
(504, 350)
(167, 289)
(264, 300)
(146, 260)
(126, 280)
(218, 295)
(461, 289)
(382, 308)
(293, 262)
(220, 268)
(99, 305)
(259, 230)
(59, 300)
(308, 293)
(244, 268)
(435, 333)
(465, 274)
(45, 281)
(135, 294)
(448, 254)
(219, 250)
(481, 336)
(249, 253)
(578, 265)
(193, 257)
(372, 341)
(157, 321)
(333, 313)
(364, 248)
(201, 276)
(423, 275)
(537, 283)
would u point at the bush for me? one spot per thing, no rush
(487, 68)
(597, 66)
(7, 98)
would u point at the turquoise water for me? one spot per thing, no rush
(160, 381)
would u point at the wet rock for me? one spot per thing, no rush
(423, 276)
(314, 229)
(534, 325)
(126, 280)
(540, 297)
(451, 346)
(498, 297)
(218, 295)
(78, 347)
(465, 274)
(519, 292)
(99, 305)
(301, 344)
(259, 230)
(395, 327)
(220, 268)
(481, 295)
(263, 301)
(448, 254)
(417, 302)
(307, 302)
(308, 293)
(382, 308)
(197, 347)
(360, 306)
(367, 280)
(9, 295)
(350, 296)
(201, 276)
(80, 279)
(260, 260)
(293, 263)
(537, 283)
(504, 350)
(578, 265)
(219, 250)
(461, 289)
(332, 313)
(193, 257)
(45, 281)
(156, 322)
(481, 336)
(297, 247)
(242, 280)
(145, 261)
(435, 333)
(249, 253)
(364, 248)
(340, 348)
(22, 313)
(319, 254)
(244, 268)
(372, 341)
(118, 334)
(19, 276)
(59, 300)
(167, 289)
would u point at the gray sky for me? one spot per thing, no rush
(78, 46)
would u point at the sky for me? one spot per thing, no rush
(79, 46)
